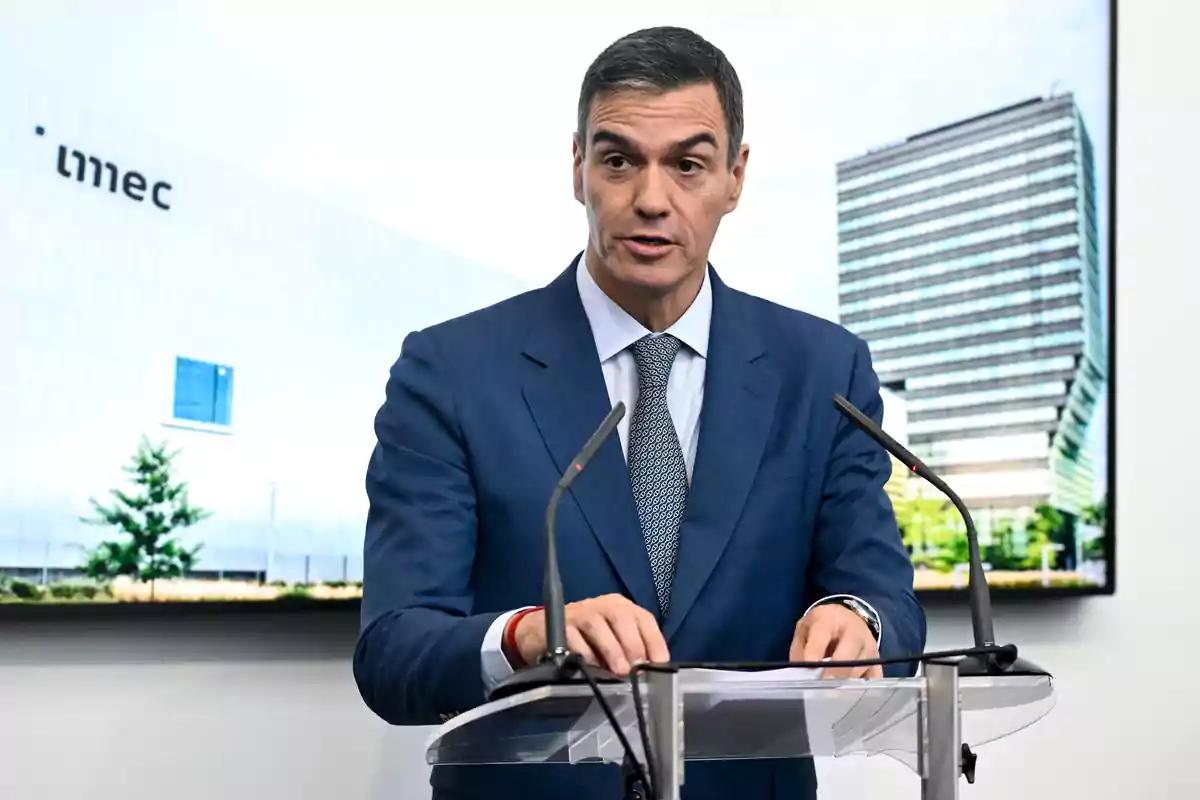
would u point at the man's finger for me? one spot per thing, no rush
(652, 638)
(577, 644)
(604, 642)
(796, 652)
(849, 648)
(818, 641)
(629, 635)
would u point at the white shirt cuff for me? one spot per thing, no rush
(492, 659)
(868, 606)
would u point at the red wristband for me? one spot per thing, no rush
(510, 636)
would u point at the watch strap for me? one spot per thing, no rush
(863, 611)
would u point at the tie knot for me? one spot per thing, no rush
(654, 356)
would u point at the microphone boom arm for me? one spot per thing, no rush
(556, 665)
(977, 588)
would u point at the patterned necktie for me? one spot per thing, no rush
(657, 471)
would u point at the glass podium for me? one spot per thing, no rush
(931, 723)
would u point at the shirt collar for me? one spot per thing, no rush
(614, 329)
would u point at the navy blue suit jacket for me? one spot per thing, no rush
(482, 415)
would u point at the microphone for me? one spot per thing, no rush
(552, 667)
(556, 624)
(978, 594)
(981, 603)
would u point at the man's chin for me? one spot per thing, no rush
(658, 276)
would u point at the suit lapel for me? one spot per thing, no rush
(564, 388)
(739, 409)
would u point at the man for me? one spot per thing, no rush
(735, 516)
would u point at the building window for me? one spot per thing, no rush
(203, 392)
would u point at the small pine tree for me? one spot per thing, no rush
(147, 517)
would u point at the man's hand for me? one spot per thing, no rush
(610, 632)
(834, 631)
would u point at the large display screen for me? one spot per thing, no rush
(217, 226)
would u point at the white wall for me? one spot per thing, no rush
(265, 706)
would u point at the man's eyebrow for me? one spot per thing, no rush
(695, 139)
(605, 136)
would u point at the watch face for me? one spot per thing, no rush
(867, 616)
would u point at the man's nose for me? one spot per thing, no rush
(653, 193)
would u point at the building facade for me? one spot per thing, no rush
(968, 260)
(895, 423)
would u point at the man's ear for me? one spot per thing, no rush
(577, 156)
(738, 173)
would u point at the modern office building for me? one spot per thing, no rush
(968, 261)
(895, 423)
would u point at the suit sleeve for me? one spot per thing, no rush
(417, 660)
(858, 548)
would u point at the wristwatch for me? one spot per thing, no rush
(862, 611)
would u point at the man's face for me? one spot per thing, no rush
(656, 180)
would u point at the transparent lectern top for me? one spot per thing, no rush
(731, 715)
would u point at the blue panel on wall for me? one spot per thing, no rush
(223, 398)
(203, 392)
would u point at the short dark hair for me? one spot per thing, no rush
(663, 59)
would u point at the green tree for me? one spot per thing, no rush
(1002, 552)
(147, 516)
(929, 528)
(1043, 528)
(1096, 514)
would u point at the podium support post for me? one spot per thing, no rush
(940, 743)
(665, 725)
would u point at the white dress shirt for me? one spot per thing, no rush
(615, 331)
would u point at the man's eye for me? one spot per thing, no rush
(616, 162)
(688, 166)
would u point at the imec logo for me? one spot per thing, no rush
(132, 183)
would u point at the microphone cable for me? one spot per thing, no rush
(576, 661)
